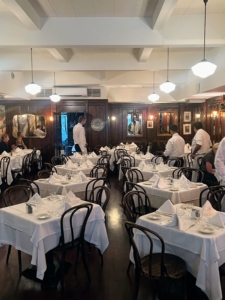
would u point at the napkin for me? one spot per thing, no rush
(70, 164)
(77, 155)
(133, 144)
(216, 220)
(167, 208)
(103, 148)
(83, 165)
(141, 165)
(35, 199)
(70, 197)
(89, 163)
(62, 208)
(162, 184)
(17, 150)
(146, 168)
(154, 178)
(148, 155)
(4, 153)
(93, 154)
(55, 178)
(122, 144)
(82, 176)
(207, 205)
(185, 183)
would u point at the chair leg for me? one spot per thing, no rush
(8, 253)
(128, 268)
(20, 262)
(100, 254)
(77, 260)
(137, 282)
(62, 274)
(85, 262)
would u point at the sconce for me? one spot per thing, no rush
(198, 116)
(113, 118)
(214, 113)
(151, 117)
(51, 118)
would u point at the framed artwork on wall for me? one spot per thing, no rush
(187, 116)
(150, 124)
(187, 129)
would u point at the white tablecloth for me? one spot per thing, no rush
(159, 196)
(62, 170)
(32, 236)
(92, 159)
(202, 253)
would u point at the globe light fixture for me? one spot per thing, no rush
(153, 97)
(55, 97)
(167, 86)
(204, 68)
(32, 88)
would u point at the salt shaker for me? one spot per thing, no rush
(29, 209)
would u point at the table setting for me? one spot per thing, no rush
(84, 165)
(38, 232)
(160, 189)
(77, 158)
(193, 233)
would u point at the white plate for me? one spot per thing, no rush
(64, 182)
(42, 179)
(154, 217)
(174, 189)
(147, 183)
(198, 183)
(206, 230)
(43, 216)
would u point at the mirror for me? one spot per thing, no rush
(134, 124)
(32, 126)
(165, 120)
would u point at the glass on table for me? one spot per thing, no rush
(180, 211)
(189, 207)
(198, 215)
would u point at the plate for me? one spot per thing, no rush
(174, 189)
(147, 183)
(64, 182)
(206, 230)
(43, 216)
(42, 179)
(154, 217)
(198, 183)
(97, 124)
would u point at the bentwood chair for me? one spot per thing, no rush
(44, 174)
(75, 241)
(25, 168)
(50, 167)
(33, 185)
(207, 192)
(191, 172)
(92, 184)
(100, 195)
(55, 160)
(98, 171)
(175, 161)
(159, 266)
(15, 195)
(4, 167)
(135, 175)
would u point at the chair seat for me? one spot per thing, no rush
(175, 266)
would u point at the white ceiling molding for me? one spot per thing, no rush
(162, 13)
(61, 54)
(25, 12)
(144, 53)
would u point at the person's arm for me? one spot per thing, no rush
(209, 168)
(82, 140)
(220, 160)
(169, 148)
(197, 148)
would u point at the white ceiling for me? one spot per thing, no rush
(112, 44)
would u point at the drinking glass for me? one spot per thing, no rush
(180, 211)
(198, 215)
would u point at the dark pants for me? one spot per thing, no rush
(210, 179)
(77, 147)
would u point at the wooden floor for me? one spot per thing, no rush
(109, 282)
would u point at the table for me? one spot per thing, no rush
(202, 253)
(36, 237)
(63, 170)
(159, 196)
(94, 160)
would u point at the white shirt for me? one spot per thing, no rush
(38, 132)
(79, 137)
(201, 138)
(134, 128)
(175, 146)
(220, 159)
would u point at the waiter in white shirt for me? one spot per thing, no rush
(220, 162)
(79, 136)
(175, 145)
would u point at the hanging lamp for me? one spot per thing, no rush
(153, 97)
(204, 68)
(32, 88)
(167, 86)
(55, 97)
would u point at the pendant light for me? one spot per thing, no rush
(32, 88)
(153, 97)
(55, 97)
(167, 86)
(204, 68)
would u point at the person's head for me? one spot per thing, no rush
(197, 126)
(134, 118)
(19, 140)
(82, 120)
(19, 134)
(215, 147)
(5, 137)
(173, 129)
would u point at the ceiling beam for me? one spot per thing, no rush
(143, 54)
(25, 12)
(61, 54)
(162, 13)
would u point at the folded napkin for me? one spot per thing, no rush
(82, 176)
(160, 183)
(55, 178)
(133, 144)
(93, 154)
(84, 165)
(77, 155)
(4, 153)
(70, 164)
(177, 221)
(154, 178)
(185, 183)
(149, 155)
(62, 208)
(141, 165)
(35, 199)
(70, 197)
(146, 168)
(207, 205)
(18, 150)
(167, 208)
(216, 220)
(122, 144)
(89, 163)
(103, 148)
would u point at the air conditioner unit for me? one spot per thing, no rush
(72, 92)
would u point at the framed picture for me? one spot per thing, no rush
(187, 129)
(149, 124)
(187, 116)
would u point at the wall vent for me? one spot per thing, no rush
(44, 93)
(94, 93)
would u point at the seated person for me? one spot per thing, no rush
(38, 132)
(208, 167)
(4, 144)
(20, 144)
